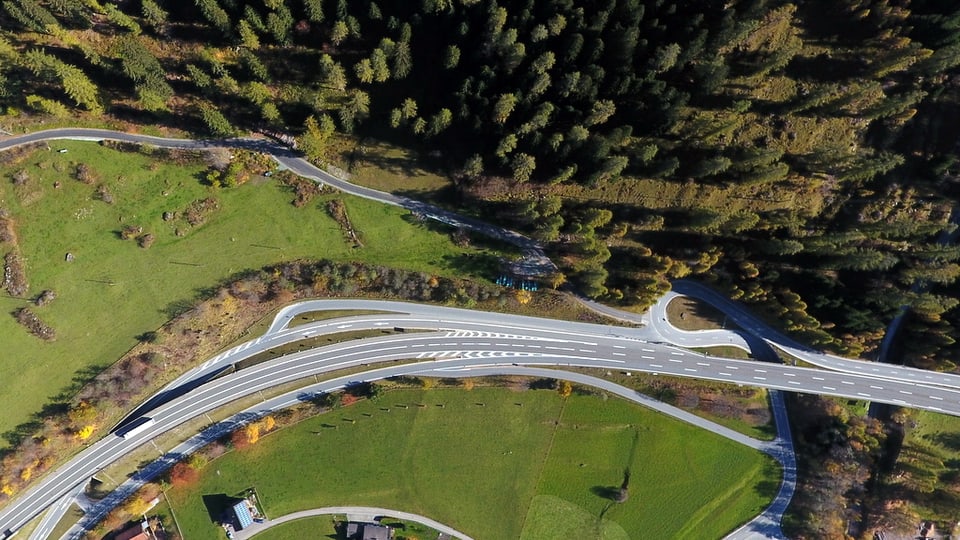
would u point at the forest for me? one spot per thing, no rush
(799, 155)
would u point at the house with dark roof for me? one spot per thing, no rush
(368, 531)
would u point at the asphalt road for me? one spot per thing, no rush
(472, 351)
(294, 397)
(739, 314)
(472, 343)
(354, 513)
(534, 258)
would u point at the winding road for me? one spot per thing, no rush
(463, 343)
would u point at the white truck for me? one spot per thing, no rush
(135, 427)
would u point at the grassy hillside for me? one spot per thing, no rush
(547, 472)
(114, 291)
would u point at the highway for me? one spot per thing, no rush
(458, 342)
(753, 326)
(465, 348)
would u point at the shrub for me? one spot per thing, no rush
(146, 240)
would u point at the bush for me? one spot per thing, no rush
(146, 240)
(34, 325)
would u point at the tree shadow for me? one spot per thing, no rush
(475, 264)
(606, 492)
(950, 441)
(767, 488)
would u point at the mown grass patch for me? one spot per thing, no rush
(479, 460)
(691, 314)
(311, 527)
(113, 290)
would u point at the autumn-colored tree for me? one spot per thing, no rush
(468, 384)
(523, 297)
(245, 436)
(136, 506)
(183, 474)
(565, 389)
(85, 432)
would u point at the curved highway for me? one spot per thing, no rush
(469, 343)
(753, 326)
(468, 347)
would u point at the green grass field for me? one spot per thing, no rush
(313, 527)
(115, 290)
(498, 464)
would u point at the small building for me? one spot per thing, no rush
(368, 531)
(243, 516)
(140, 531)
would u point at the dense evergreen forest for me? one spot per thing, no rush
(800, 155)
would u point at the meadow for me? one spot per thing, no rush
(497, 463)
(113, 290)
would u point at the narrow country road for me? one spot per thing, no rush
(354, 513)
(535, 260)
